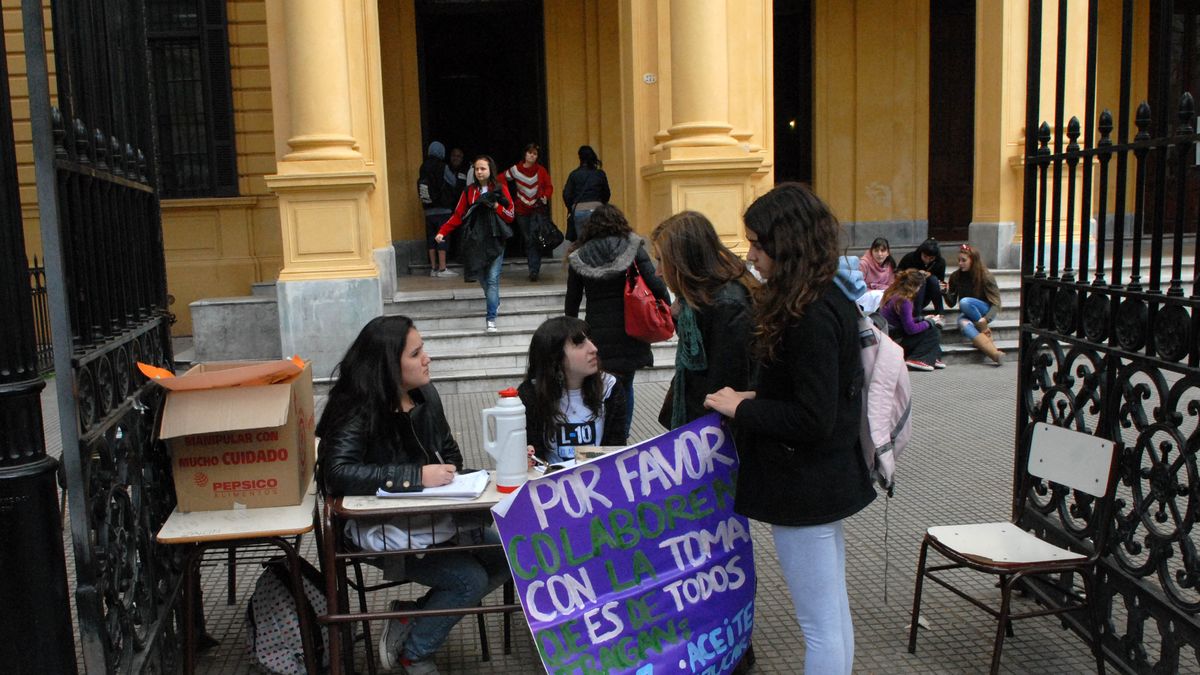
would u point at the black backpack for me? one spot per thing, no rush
(272, 624)
(432, 188)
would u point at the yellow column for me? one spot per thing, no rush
(700, 73)
(329, 162)
(1000, 71)
(320, 108)
(1000, 42)
(699, 162)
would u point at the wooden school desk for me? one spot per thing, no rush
(233, 528)
(335, 557)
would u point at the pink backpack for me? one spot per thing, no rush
(887, 403)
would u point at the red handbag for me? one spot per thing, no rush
(646, 317)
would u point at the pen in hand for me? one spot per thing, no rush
(452, 468)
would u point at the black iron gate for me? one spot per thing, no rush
(102, 236)
(1110, 327)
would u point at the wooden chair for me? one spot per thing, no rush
(336, 555)
(361, 587)
(1076, 460)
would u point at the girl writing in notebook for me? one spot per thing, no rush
(384, 428)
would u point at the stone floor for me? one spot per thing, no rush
(957, 469)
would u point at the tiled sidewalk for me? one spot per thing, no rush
(958, 469)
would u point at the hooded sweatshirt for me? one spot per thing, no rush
(597, 269)
(433, 167)
(878, 277)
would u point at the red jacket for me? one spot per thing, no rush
(469, 197)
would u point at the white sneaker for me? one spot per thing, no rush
(491, 326)
(433, 273)
(395, 632)
(446, 273)
(422, 667)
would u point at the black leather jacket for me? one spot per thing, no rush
(352, 463)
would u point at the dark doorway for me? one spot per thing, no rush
(951, 117)
(483, 81)
(482, 70)
(793, 90)
(1180, 73)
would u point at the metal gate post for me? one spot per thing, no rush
(36, 634)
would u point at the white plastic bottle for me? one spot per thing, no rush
(504, 440)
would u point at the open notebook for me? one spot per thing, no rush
(464, 486)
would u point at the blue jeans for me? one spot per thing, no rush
(534, 254)
(490, 283)
(454, 580)
(971, 310)
(813, 561)
(579, 218)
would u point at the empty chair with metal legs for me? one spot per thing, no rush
(1070, 459)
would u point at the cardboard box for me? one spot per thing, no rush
(240, 434)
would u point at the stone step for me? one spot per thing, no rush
(461, 298)
(957, 353)
(184, 358)
(495, 379)
(1001, 329)
(469, 347)
(511, 263)
(511, 356)
(456, 297)
(473, 320)
(459, 341)
(454, 341)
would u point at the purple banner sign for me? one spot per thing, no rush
(635, 562)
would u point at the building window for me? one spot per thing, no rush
(189, 66)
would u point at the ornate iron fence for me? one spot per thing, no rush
(1109, 331)
(41, 318)
(102, 236)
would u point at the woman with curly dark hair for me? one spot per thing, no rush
(597, 264)
(569, 401)
(798, 431)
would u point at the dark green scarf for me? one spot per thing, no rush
(689, 355)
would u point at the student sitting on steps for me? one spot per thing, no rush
(974, 288)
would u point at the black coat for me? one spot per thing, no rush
(355, 462)
(483, 239)
(586, 185)
(912, 261)
(597, 270)
(798, 439)
(726, 327)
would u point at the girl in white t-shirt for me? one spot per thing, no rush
(568, 400)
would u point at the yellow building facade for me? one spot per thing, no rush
(676, 96)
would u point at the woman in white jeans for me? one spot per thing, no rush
(797, 432)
